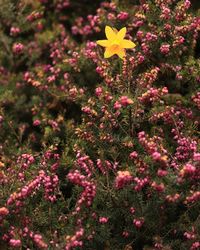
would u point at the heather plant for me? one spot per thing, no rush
(98, 152)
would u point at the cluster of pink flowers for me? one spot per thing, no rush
(138, 223)
(140, 183)
(37, 239)
(50, 185)
(123, 16)
(148, 78)
(26, 191)
(185, 149)
(123, 178)
(124, 101)
(14, 31)
(152, 95)
(62, 4)
(103, 220)
(194, 197)
(74, 241)
(165, 49)
(152, 146)
(80, 28)
(89, 192)
(18, 48)
(25, 160)
(15, 243)
(196, 99)
(35, 15)
(106, 166)
(133, 148)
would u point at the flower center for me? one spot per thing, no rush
(114, 48)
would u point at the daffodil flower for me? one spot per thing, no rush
(116, 44)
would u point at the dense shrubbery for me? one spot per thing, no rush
(99, 153)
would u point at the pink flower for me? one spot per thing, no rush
(4, 211)
(188, 169)
(103, 220)
(98, 91)
(164, 49)
(162, 172)
(196, 157)
(14, 31)
(123, 16)
(117, 105)
(133, 155)
(138, 223)
(36, 123)
(125, 234)
(158, 187)
(125, 101)
(15, 243)
(18, 48)
(122, 179)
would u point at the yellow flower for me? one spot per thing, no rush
(116, 44)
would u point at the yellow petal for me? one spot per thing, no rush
(127, 44)
(104, 43)
(121, 53)
(109, 52)
(110, 33)
(121, 34)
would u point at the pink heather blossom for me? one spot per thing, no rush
(18, 48)
(14, 31)
(117, 105)
(124, 101)
(195, 245)
(15, 243)
(151, 37)
(196, 157)
(188, 169)
(39, 241)
(165, 13)
(125, 234)
(135, 144)
(187, 4)
(133, 155)
(98, 91)
(138, 223)
(190, 235)
(164, 49)
(140, 34)
(156, 155)
(158, 187)
(132, 210)
(123, 16)
(123, 178)
(173, 198)
(162, 172)
(36, 122)
(4, 211)
(103, 220)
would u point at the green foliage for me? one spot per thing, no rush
(98, 152)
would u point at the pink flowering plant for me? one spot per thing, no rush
(99, 147)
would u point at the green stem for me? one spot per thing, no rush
(120, 66)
